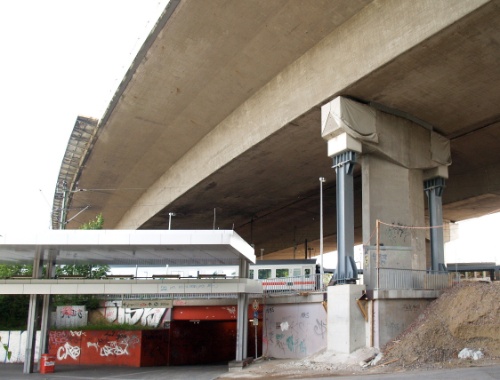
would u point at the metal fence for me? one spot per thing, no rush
(395, 279)
(296, 284)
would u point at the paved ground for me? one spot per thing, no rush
(475, 373)
(15, 372)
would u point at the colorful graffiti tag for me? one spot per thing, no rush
(96, 347)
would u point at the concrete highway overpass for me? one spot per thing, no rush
(218, 119)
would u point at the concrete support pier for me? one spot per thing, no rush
(346, 324)
(397, 154)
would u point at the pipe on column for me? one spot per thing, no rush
(434, 188)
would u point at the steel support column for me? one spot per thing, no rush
(434, 189)
(29, 356)
(242, 317)
(46, 303)
(346, 267)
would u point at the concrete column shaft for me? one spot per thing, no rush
(241, 329)
(392, 194)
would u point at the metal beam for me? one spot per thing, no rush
(344, 165)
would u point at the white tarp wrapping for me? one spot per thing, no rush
(345, 115)
(399, 139)
(440, 149)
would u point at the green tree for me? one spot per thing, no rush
(96, 224)
(7, 271)
(13, 307)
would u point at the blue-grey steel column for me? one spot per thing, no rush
(434, 189)
(344, 166)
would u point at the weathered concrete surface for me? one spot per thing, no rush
(222, 110)
(346, 324)
(393, 316)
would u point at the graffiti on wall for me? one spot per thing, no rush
(71, 316)
(294, 331)
(71, 311)
(67, 350)
(95, 347)
(110, 345)
(150, 317)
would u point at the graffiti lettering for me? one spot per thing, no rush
(150, 317)
(58, 337)
(114, 349)
(410, 307)
(68, 350)
(320, 328)
(290, 342)
(68, 311)
(231, 310)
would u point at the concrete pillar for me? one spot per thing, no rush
(434, 189)
(241, 328)
(346, 324)
(394, 153)
(392, 194)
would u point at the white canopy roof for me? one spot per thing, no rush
(127, 247)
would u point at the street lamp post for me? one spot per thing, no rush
(170, 214)
(322, 272)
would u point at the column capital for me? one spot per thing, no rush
(343, 143)
(351, 125)
(436, 184)
(439, 171)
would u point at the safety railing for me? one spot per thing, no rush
(294, 284)
(395, 279)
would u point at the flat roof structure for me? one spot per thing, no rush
(119, 247)
(123, 247)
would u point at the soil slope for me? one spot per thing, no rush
(467, 315)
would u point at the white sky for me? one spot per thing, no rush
(65, 58)
(60, 59)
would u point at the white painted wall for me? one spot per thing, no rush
(16, 342)
(294, 331)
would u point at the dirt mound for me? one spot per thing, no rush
(467, 315)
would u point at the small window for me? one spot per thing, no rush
(264, 273)
(307, 272)
(250, 275)
(283, 272)
(296, 272)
